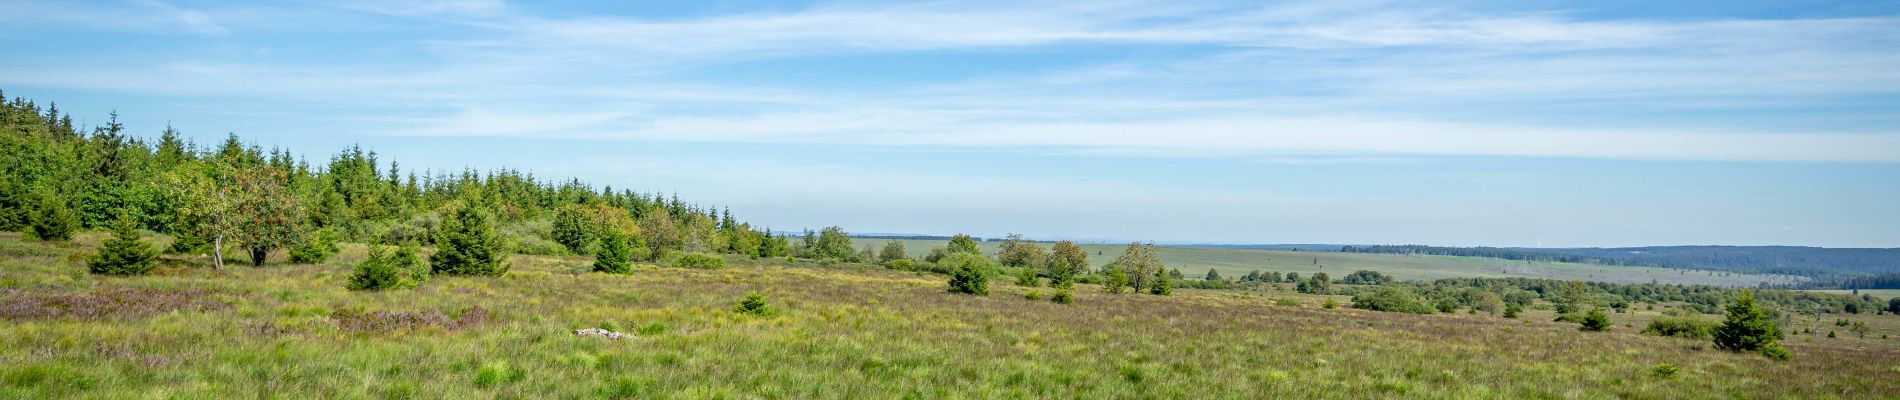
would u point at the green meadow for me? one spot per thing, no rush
(838, 330)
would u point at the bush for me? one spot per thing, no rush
(1062, 297)
(903, 264)
(1680, 326)
(699, 261)
(1664, 371)
(1391, 299)
(753, 304)
(1032, 295)
(615, 255)
(468, 245)
(384, 270)
(1511, 310)
(124, 253)
(1749, 329)
(1028, 278)
(1329, 304)
(316, 248)
(969, 273)
(1595, 321)
(52, 220)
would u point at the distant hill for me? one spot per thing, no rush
(1816, 262)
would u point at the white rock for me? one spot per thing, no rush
(610, 335)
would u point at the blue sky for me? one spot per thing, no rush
(1549, 123)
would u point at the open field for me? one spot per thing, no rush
(1195, 262)
(1881, 293)
(292, 331)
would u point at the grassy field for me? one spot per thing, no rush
(1195, 262)
(292, 331)
(1881, 293)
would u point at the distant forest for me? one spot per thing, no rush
(1831, 265)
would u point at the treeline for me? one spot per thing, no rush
(56, 177)
(1813, 262)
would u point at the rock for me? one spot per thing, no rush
(610, 335)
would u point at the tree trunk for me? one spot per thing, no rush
(259, 255)
(217, 251)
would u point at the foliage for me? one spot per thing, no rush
(1392, 299)
(1017, 252)
(662, 233)
(892, 251)
(52, 220)
(269, 215)
(1116, 281)
(1665, 371)
(467, 245)
(1595, 321)
(615, 255)
(1364, 277)
(315, 248)
(1066, 261)
(969, 273)
(1748, 328)
(830, 243)
(1318, 284)
(125, 253)
(383, 270)
(962, 243)
(572, 229)
(699, 261)
(1683, 326)
(1163, 285)
(1027, 278)
(1140, 264)
(754, 304)
(1062, 297)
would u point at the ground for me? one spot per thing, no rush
(293, 331)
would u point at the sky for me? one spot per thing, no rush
(1538, 123)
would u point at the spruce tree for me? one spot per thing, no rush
(125, 253)
(468, 245)
(1163, 286)
(52, 220)
(615, 255)
(969, 273)
(1749, 329)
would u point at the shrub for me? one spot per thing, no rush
(1595, 321)
(1028, 278)
(1391, 299)
(1511, 310)
(384, 270)
(1680, 326)
(124, 253)
(1574, 318)
(904, 264)
(1062, 297)
(105, 304)
(969, 273)
(1286, 302)
(699, 261)
(1749, 329)
(316, 248)
(1329, 304)
(1116, 281)
(615, 255)
(52, 220)
(753, 304)
(468, 245)
(1032, 295)
(1664, 371)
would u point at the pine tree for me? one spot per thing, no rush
(468, 245)
(615, 255)
(572, 229)
(1163, 286)
(1749, 329)
(52, 220)
(969, 273)
(1116, 281)
(125, 253)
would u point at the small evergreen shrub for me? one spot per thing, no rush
(699, 261)
(124, 253)
(316, 248)
(1032, 295)
(1664, 371)
(1680, 326)
(753, 304)
(1595, 321)
(615, 255)
(468, 245)
(402, 269)
(1329, 304)
(1748, 329)
(1062, 297)
(969, 273)
(1028, 278)
(52, 220)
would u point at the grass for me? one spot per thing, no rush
(1195, 261)
(840, 331)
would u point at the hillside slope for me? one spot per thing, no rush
(292, 331)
